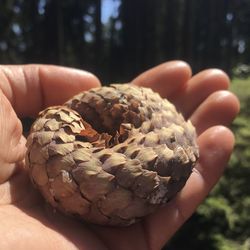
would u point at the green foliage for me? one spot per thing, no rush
(242, 71)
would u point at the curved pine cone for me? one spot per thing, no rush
(111, 155)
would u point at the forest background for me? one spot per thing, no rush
(117, 40)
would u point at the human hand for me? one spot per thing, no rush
(25, 221)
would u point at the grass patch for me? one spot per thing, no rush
(241, 88)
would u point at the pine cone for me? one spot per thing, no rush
(111, 155)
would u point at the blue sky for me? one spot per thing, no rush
(109, 8)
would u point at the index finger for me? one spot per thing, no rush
(31, 88)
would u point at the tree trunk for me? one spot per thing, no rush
(98, 35)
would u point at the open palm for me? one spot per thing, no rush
(28, 223)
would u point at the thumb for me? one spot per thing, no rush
(12, 143)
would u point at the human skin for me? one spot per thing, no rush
(28, 223)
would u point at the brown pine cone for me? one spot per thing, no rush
(111, 155)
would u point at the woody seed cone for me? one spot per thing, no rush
(111, 155)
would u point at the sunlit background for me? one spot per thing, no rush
(117, 40)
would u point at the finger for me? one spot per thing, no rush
(120, 238)
(199, 88)
(220, 107)
(166, 79)
(216, 145)
(30, 88)
(12, 143)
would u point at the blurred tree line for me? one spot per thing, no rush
(136, 35)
